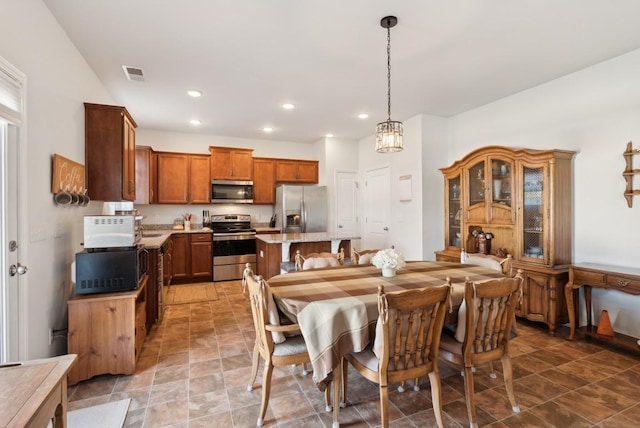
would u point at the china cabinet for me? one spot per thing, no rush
(110, 153)
(521, 200)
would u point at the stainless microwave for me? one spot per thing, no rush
(231, 192)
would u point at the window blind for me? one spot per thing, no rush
(10, 94)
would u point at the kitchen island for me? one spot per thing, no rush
(273, 249)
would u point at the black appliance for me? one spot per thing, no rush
(234, 245)
(110, 269)
(231, 192)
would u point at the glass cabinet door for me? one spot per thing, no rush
(454, 210)
(533, 213)
(476, 184)
(501, 182)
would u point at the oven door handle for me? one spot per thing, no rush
(234, 236)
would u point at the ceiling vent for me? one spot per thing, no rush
(133, 73)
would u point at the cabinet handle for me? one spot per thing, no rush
(622, 283)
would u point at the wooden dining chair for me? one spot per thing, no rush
(490, 307)
(319, 260)
(406, 344)
(362, 257)
(500, 264)
(272, 342)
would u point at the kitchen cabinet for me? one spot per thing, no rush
(167, 270)
(191, 257)
(152, 287)
(183, 178)
(199, 179)
(146, 175)
(201, 257)
(106, 331)
(523, 199)
(264, 181)
(180, 250)
(110, 153)
(231, 164)
(296, 171)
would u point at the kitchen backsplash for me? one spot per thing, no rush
(159, 216)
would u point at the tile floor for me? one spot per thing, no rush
(194, 368)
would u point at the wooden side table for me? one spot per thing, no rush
(34, 392)
(589, 275)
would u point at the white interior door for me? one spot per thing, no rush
(12, 296)
(11, 267)
(346, 201)
(377, 201)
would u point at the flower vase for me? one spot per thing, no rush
(388, 272)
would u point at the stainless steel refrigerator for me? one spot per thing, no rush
(301, 209)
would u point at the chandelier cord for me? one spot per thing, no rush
(388, 74)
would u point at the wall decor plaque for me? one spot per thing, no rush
(67, 175)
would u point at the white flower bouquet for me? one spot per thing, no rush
(388, 259)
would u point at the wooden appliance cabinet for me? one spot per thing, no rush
(110, 153)
(523, 199)
(231, 164)
(296, 171)
(106, 331)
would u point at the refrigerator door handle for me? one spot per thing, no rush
(303, 217)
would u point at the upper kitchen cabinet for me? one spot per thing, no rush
(183, 178)
(264, 181)
(296, 171)
(146, 175)
(199, 179)
(231, 164)
(110, 153)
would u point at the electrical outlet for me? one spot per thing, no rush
(50, 336)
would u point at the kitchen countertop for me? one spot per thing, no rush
(279, 238)
(153, 239)
(266, 229)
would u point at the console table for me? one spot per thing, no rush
(588, 275)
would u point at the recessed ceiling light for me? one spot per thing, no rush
(267, 129)
(363, 116)
(329, 135)
(288, 106)
(194, 93)
(195, 122)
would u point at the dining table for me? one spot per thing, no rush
(337, 308)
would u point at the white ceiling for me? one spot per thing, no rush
(329, 57)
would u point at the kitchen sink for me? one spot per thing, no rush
(151, 235)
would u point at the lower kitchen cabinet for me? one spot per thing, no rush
(191, 257)
(201, 259)
(106, 331)
(152, 287)
(179, 256)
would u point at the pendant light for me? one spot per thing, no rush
(389, 132)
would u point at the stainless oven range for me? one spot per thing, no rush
(234, 245)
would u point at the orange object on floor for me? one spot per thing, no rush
(604, 326)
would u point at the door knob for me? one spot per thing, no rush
(385, 229)
(339, 226)
(17, 269)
